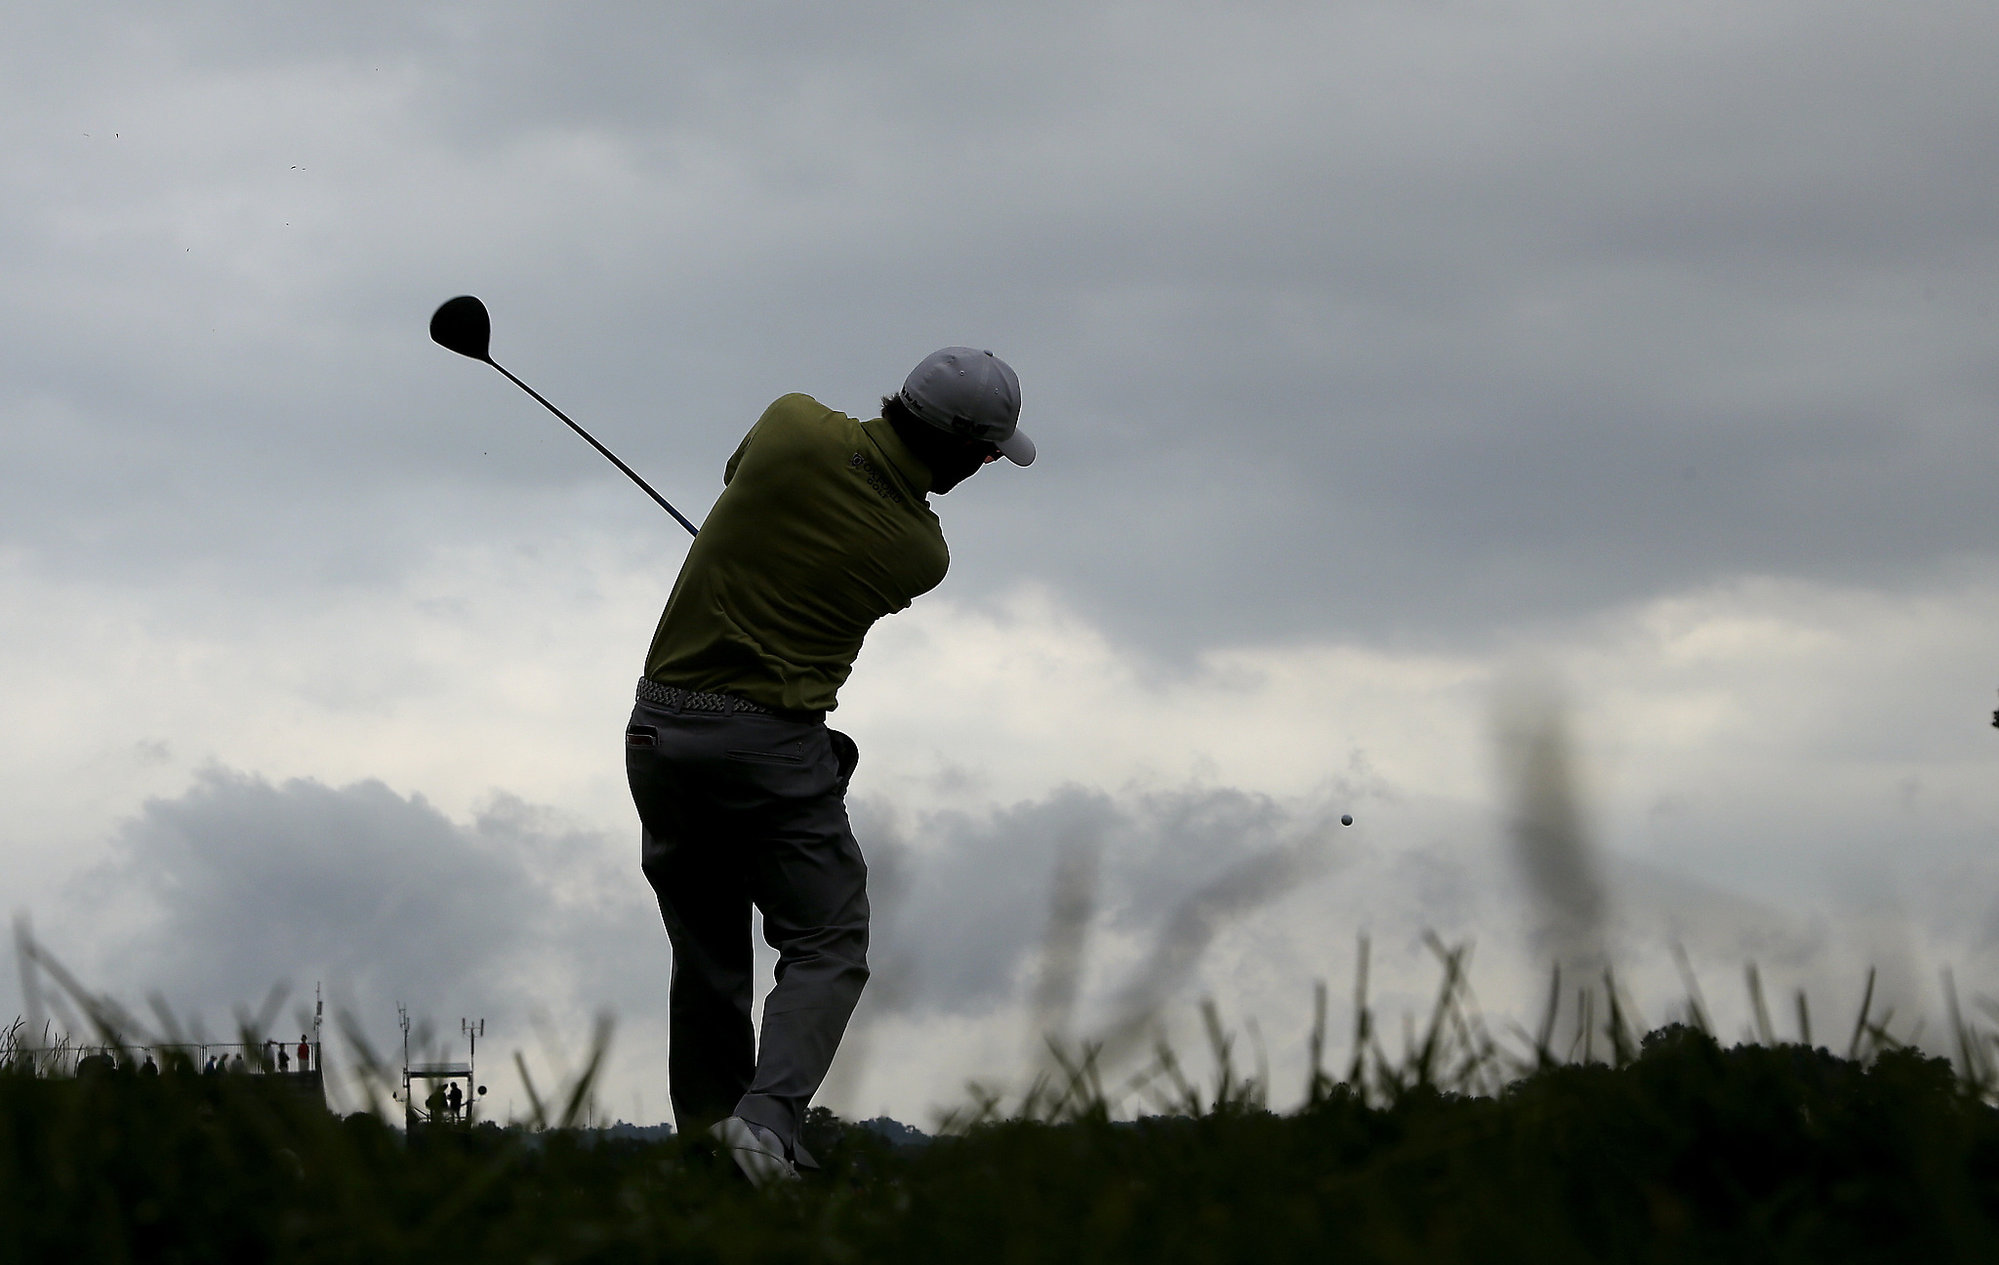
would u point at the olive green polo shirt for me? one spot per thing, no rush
(822, 528)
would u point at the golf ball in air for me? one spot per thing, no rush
(1346, 819)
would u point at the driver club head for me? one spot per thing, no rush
(461, 325)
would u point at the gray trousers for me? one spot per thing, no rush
(745, 809)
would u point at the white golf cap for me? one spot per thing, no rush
(970, 392)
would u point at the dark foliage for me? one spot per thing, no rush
(1687, 1152)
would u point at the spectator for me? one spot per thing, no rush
(304, 1054)
(453, 1099)
(149, 1068)
(284, 1059)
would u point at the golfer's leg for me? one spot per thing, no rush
(711, 1054)
(811, 882)
(696, 872)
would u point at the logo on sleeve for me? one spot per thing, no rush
(875, 479)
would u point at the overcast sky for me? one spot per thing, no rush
(1386, 361)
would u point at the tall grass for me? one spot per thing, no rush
(1467, 1143)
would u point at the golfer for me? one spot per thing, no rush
(824, 525)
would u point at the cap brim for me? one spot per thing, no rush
(1017, 448)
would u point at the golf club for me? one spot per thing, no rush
(461, 325)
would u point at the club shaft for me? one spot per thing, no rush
(610, 456)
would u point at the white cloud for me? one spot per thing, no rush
(1770, 770)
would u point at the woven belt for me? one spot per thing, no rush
(672, 696)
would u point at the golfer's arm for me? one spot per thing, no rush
(729, 471)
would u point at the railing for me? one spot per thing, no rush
(63, 1057)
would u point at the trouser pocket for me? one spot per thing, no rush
(844, 750)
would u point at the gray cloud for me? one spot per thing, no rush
(1205, 888)
(246, 875)
(1414, 326)
(975, 897)
(208, 897)
(211, 898)
(1399, 325)
(978, 892)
